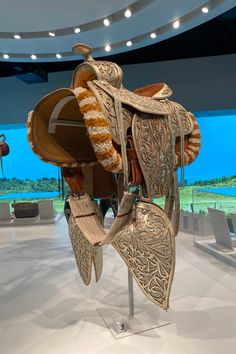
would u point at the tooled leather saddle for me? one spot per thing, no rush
(113, 143)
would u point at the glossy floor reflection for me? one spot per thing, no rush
(45, 308)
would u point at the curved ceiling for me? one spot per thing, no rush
(33, 20)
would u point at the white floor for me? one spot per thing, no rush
(45, 308)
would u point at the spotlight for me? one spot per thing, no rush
(129, 43)
(33, 56)
(106, 22)
(51, 34)
(17, 36)
(5, 56)
(77, 30)
(58, 55)
(176, 24)
(153, 35)
(128, 13)
(107, 48)
(205, 10)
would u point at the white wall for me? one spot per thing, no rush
(199, 84)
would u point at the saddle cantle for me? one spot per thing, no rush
(99, 130)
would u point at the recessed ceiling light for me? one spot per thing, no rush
(5, 56)
(106, 22)
(107, 48)
(33, 56)
(176, 24)
(128, 13)
(51, 34)
(205, 10)
(77, 30)
(153, 35)
(58, 55)
(17, 36)
(129, 43)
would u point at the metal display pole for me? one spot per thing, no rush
(131, 293)
(122, 324)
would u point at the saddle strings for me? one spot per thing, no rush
(118, 110)
(1, 162)
(181, 130)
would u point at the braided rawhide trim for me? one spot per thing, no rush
(98, 130)
(192, 144)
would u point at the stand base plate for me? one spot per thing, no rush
(121, 325)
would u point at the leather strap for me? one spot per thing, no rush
(135, 174)
(74, 178)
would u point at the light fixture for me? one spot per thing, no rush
(176, 24)
(153, 35)
(51, 34)
(106, 22)
(17, 36)
(77, 30)
(33, 56)
(205, 10)
(107, 48)
(129, 43)
(5, 56)
(58, 55)
(128, 13)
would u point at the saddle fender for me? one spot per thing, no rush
(147, 245)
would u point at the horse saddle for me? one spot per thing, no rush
(113, 143)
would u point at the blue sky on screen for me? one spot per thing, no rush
(22, 162)
(217, 157)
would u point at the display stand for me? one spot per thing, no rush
(131, 294)
(124, 322)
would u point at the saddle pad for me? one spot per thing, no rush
(86, 217)
(147, 245)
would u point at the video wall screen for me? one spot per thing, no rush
(22, 163)
(210, 181)
(217, 157)
(215, 166)
(24, 175)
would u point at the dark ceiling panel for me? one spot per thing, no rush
(215, 37)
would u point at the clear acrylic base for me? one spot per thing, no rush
(121, 325)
